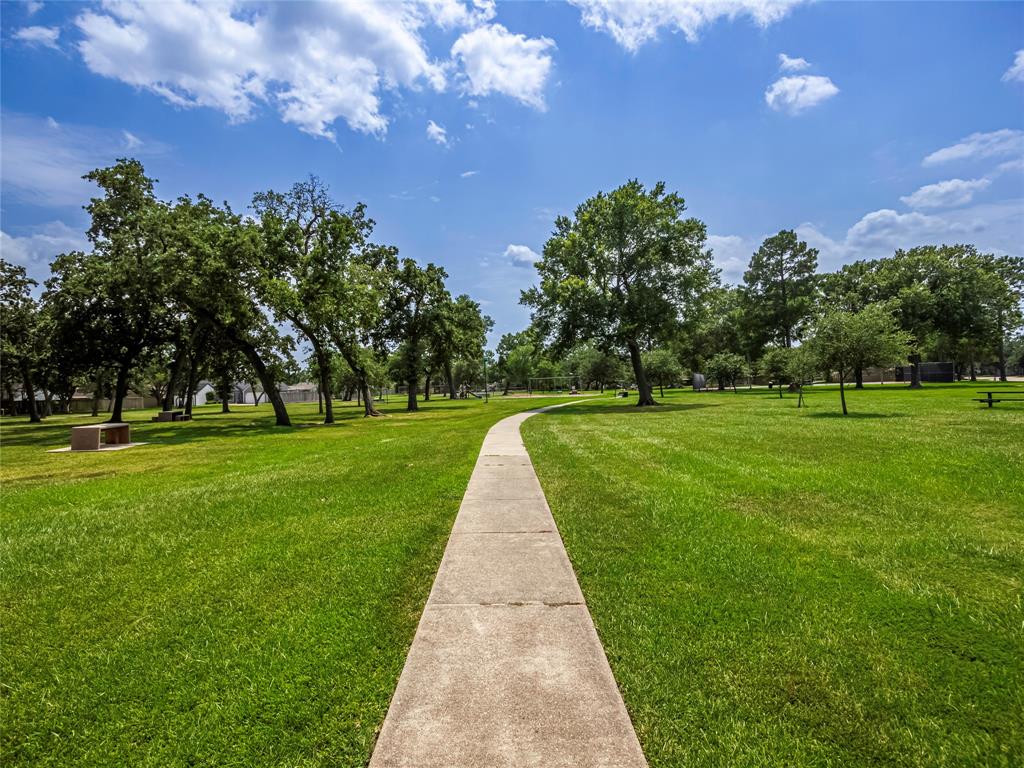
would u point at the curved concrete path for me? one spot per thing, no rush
(506, 668)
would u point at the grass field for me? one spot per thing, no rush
(786, 587)
(233, 594)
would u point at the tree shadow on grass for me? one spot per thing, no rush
(854, 415)
(202, 427)
(630, 407)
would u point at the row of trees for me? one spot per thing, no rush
(171, 292)
(628, 277)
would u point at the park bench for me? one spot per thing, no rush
(87, 438)
(989, 399)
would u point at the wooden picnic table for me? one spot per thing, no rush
(989, 400)
(87, 438)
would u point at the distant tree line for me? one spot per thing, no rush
(172, 292)
(628, 293)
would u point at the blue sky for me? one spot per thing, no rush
(467, 127)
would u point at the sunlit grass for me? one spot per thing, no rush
(787, 587)
(233, 593)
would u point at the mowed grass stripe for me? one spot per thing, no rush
(786, 588)
(235, 594)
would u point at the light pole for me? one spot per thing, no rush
(486, 385)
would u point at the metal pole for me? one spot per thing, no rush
(486, 385)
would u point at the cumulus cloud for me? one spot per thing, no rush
(521, 255)
(44, 36)
(789, 64)
(496, 61)
(946, 194)
(992, 227)
(36, 250)
(315, 63)
(44, 160)
(437, 134)
(732, 255)
(1007, 141)
(631, 23)
(1016, 70)
(796, 93)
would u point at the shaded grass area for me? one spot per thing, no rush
(776, 586)
(233, 594)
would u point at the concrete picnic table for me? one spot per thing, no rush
(172, 416)
(87, 438)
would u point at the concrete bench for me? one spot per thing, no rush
(169, 416)
(87, 438)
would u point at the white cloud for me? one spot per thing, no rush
(467, 174)
(131, 141)
(1016, 70)
(315, 63)
(43, 161)
(632, 23)
(452, 14)
(521, 255)
(946, 194)
(32, 6)
(789, 64)
(992, 227)
(796, 93)
(732, 255)
(45, 36)
(36, 250)
(436, 133)
(1007, 141)
(496, 61)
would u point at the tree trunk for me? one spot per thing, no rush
(412, 405)
(451, 380)
(253, 356)
(915, 371)
(47, 403)
(225, 394)
(858, 375)
(319, 400)
(508, 383)
(974, 374)
(96, 396)
(642, 385)
(324, 364)
(26, 378)
(842, 392)
(193, 383)
(172, 378)
(426, 387)
(362, 383)
(120, 391)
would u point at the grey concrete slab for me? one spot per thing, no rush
(499, 486)
(490, 568)
(508, 686)
(510, 516)
(506, 668)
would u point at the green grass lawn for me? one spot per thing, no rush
(789, 587)
(233, 594)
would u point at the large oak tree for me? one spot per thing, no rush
(623, 272)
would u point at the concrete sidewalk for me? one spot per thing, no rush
(506, 668)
